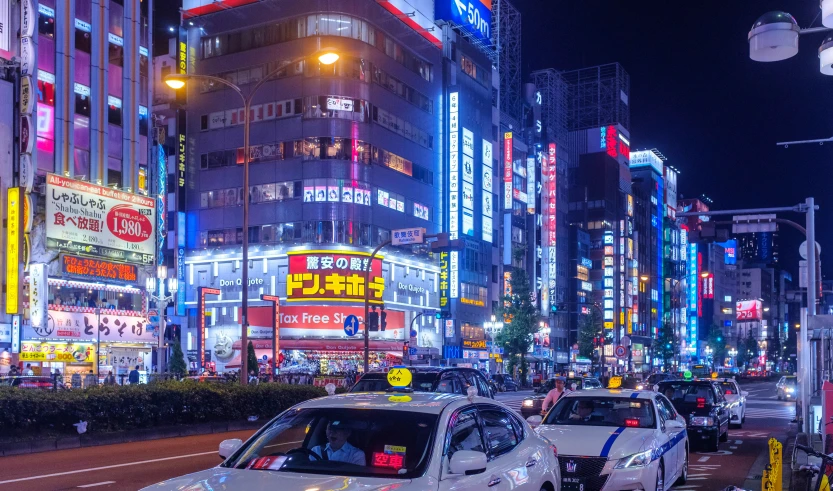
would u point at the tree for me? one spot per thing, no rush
(591, 326)
(773, 351)
(718, 345)
(751, 349)
(521, 323)
(742, 357)
(251, 359)
(667, 346)
(178, 365)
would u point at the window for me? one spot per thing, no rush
(464, 433)
(113, 110)
(46, 21)
(498, 430)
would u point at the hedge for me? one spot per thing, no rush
(31, 412)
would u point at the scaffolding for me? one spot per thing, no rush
(598, 96)
(506, 29)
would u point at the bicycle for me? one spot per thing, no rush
(824, 479)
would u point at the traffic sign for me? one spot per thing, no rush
(399, 376)
(427, 311)
(406, 236)
(802, 249)
(620, 352)
(351, 325)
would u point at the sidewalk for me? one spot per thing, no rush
(755, 476)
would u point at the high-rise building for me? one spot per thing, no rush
(759, 248)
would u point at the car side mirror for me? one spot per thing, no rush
(534, 421)
(467, 462)
(228, 447)
(744, 393)
(673, 424)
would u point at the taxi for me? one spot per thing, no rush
(617, 439)
(736, 399)
(409, 441)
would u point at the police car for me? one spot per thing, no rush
(611, 439)
(409, 441)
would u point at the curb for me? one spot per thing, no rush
(9, 448)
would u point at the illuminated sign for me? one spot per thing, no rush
(478, 344)
(95, 269)
(468, 183)
(530, 185)
(730, 248)
(444, 276)
(333, 276)
(469, 301)
(99, 221)
(708, 286)
(454, 280)
(57, 352)
(549, 173)
(608, 277)
(14, 240)
(472, 16)
(646, 158)
(80, 326)
(487, 190)
(38, 294)
(507, 170)
(454, 166)
(339, 104)
(181, 128)
(202, 329)
(692, 294)
(180, 262)
(749, 310)
(161, 198)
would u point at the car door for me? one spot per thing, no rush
(514, 459)
(671, 452)
(464, 432)
(668, 413)
(722, 408)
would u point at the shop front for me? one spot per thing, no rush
(318, 291)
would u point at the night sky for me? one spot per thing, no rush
(697, 97)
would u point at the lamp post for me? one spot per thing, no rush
(177, 81)
(492, 328)
(162, 301)
(734, 353)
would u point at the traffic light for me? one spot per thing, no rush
(443, 314)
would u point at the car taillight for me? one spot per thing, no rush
(701, 402)
(631, 422)
(728, 392)
(554, 450)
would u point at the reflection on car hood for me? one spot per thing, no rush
(594, 441)
(248, 480)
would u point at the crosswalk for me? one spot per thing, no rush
(770, 413)
(513, 403)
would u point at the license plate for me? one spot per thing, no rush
(572, 484)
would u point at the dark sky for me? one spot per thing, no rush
(697, 97)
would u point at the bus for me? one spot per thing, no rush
(701, 371)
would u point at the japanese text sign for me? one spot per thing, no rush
(81, 326)
(94, 269)
(333, 276)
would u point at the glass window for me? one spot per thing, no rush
(498, 431)
(46, 23)
(603, 411)
(116, 19)
(114, 110)
(464, 433)
(46, 54)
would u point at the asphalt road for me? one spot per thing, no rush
(131, 466)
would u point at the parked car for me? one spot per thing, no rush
(787, 387)
(736, 399)
(704, 408)
(32, 382)
(450, 380)
(616, 439)
(532, 405)
(417, 442)
(505, 382)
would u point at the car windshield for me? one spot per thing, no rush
(728, 388)
(591, 383)
(422, 382)
(370, 443)
(790, 380)
(687, 392)
(602, 411)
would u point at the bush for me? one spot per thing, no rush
(33, 412)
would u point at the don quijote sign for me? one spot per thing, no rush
(409, 287)
(237, 283)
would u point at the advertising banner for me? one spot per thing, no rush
(334, 276)
(95, 269)
(473, 16)
(14, 242)
(38, 294)
(57, 352)
(126, 357)
(749, 310)
(98, 221)
(80, 326)
(319, 321)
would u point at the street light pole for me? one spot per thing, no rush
(367, 304)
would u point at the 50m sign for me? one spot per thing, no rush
(475, 16)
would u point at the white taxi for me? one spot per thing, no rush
(736, 399)
(617, 440)
(384, 441)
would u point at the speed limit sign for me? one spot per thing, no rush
(620, 352)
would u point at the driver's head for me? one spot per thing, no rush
(337, 434)
(585, 408)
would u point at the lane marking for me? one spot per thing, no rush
(734, 447)
(104, 483)
(105, 467)
(738, 442)
(703, 459)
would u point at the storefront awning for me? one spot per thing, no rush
(324, 344)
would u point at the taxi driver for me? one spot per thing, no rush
(338, 449)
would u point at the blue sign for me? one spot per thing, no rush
(730, 248)
(412, 351)
(351, 325)
(180, 262)
(471, 15)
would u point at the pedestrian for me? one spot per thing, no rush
(75, 380)
(133, 378)
(555, 394)
(29, 372)
(110, 379)
(90, 379)
(252, 377)
(14, 371)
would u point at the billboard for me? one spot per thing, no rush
(730, 251)
(472, 16)
(333, 276)
(95, 269)
(749, 310)
(507, 171)
(80, 326)
(87, 219)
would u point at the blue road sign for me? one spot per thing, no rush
(351, 325)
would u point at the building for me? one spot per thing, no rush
(759, 248)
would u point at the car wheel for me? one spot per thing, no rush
(684, 472)
(779, 396)
(725, 436)
(713, 445)
(660, 477)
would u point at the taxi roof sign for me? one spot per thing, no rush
(399, 376)
(687, 374)
(614, 382)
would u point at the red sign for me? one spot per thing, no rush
(318, 318)
(333, 275)
(749, 310)
(96, 269)
(202, 333)
(507, 157)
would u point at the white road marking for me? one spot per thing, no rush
(697, 478)
(734, 447)
(105, 467)
(104, 483)
(703, 459)
(738, 442)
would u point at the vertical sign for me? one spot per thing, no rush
(182, 61)
(161, 197)
(38, 295)
(13, 243)
(468, 182)
(276, 333)
(609, 299)
(15, 334)
(202, 329)
(5, 30)
(453, 190)
(443, 280)
(531, 193)
(181, 137)
(692, 296)
(507, 171)
(486, 173)
(180, 262)
(548, 205)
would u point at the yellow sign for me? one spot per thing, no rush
(479, 344)
(399, 377)
(614, 383)
(58, 352)
(714, 374)
(609, 325)
(13, 232)
(399, 399)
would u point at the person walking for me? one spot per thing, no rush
(110, 379)
(29, 372)
(90, 379)
(555, 394)
(75, 380)
(133, 378)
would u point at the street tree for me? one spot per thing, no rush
(178, 365)
(718, 345)
(751, 349)
(667, 346)
(521, 323)
(591, 326)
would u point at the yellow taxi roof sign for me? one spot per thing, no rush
(399, 376)
(714, 374)
(614, 382)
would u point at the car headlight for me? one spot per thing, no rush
(640, 459)
(640, 387)
(528, 403)
(701, 421)
(790, 391)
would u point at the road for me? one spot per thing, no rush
(131, 466)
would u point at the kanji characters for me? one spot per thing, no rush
(60, 219)
(355, 264)
(326, 262)
(312, 263)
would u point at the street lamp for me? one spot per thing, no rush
(492, 328)
(734, 353)
(326, 56)
(162, 301)
(774, 37)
